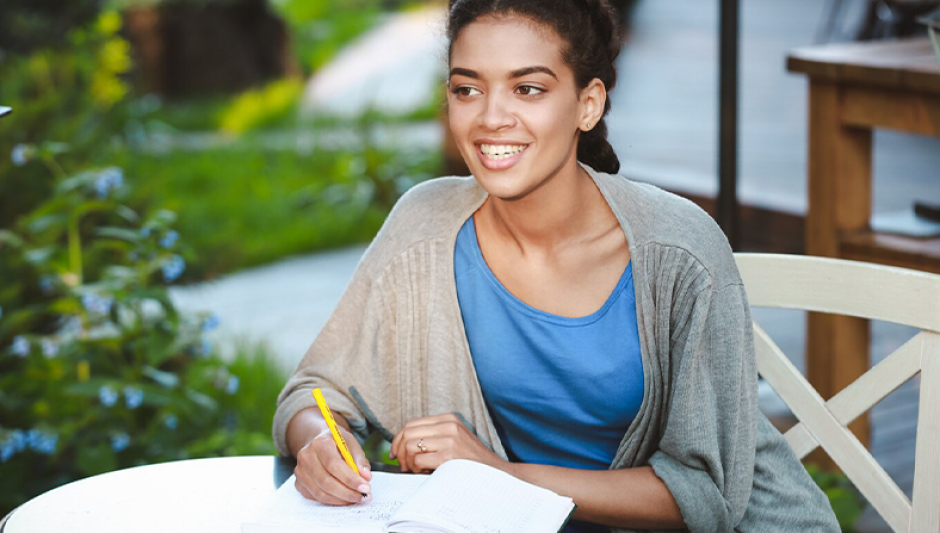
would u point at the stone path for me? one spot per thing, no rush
(282, 305)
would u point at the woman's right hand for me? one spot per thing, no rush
(324, 476)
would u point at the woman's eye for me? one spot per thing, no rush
(528, 90)
(464, 91)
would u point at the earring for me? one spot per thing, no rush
(589, 126)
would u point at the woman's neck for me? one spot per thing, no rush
(566, 209)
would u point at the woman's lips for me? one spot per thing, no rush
(500, 164)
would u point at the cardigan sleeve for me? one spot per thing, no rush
(707, 450)
(350, 354)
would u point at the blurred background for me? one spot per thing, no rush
(186, 187)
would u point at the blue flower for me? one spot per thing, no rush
(6, 452)
(205, 347)
(71, 326)
(96, 304)
(171, 422)
(145, 231)
(41, 442)
(232, 386)
(47, 444)
(47, 284)
(50, 348)
(133, 397)
(20, 154)
(210, 323)
(20, 346)
(169, 239)
(120, 441)
(107, 395)
(108, 180)
(173, 268)
(33, 438)
(18, 440)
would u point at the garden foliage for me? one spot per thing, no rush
(98, 369)
(71, 90)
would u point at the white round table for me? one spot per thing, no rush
(204, 495)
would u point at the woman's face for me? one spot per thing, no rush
(513, 105)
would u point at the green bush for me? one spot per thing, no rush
(72, 92)
(845, 499)
(275, 104)
(98, 369)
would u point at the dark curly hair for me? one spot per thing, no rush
(592, 37)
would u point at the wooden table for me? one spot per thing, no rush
(853, 89)
(205, 495)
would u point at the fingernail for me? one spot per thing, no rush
(364, 489)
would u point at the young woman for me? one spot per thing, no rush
(547, 317)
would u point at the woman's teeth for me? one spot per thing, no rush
(499, 152)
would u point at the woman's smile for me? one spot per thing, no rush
(500, 156)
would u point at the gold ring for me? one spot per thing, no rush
(421, 446)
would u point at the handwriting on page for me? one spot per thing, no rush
(354, 515)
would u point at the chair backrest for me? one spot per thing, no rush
(868, 291)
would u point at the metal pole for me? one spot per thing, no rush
(728, 121)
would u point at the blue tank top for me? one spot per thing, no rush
(561, 391)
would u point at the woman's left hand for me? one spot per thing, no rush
(444, 437)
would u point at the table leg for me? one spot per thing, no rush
(837, 347)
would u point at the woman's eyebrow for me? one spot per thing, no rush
(518, 73)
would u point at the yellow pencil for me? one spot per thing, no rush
(340, 443)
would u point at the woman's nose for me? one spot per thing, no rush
(496, 114)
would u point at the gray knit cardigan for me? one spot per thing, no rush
(395, 349)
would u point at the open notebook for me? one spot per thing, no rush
(459, 497)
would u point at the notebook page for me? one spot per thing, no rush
(289, 511)
(468, 497)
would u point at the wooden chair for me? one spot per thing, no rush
(866, 291)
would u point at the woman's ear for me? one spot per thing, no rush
(593, 98)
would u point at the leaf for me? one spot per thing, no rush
(846, 505)
(120, 273)
(127, 214)
(77, 181)
(95, 459)
(7, 237)
(162, 218)
(160, 377)
(202, 400)
(90, 388)
(119, 233)
(40, 224)
(38, 256)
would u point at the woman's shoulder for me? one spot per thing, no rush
(429, 211)
(438, 198)
(436, 207)
(668, 228)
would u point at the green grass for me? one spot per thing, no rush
(242, 206)
(195, 114)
